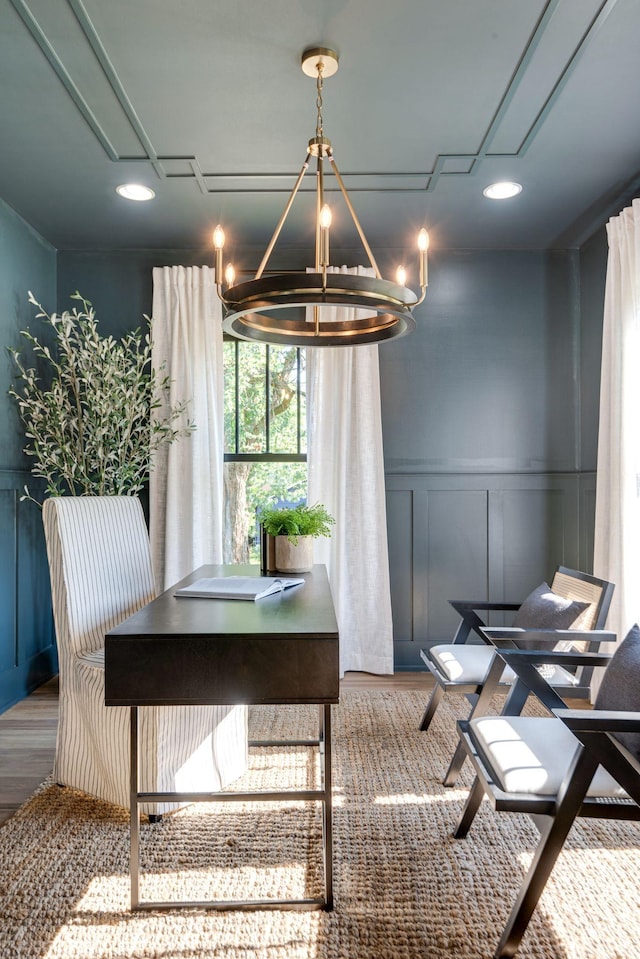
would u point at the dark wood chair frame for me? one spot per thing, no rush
(471, 623)
(554, 815)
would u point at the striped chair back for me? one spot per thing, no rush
(100, 566)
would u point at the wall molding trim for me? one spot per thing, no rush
(27, 653)
(478, 536)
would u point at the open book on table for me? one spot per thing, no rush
(237, 587)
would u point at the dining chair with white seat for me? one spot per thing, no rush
(575, 602)
(557, 767)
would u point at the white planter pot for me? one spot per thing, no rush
(291, 558)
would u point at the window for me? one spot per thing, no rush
(265, 438)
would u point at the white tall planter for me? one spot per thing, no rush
(294, 558)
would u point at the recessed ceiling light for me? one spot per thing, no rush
(135, 191)
(502, 190)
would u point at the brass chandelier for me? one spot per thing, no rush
(286, 308)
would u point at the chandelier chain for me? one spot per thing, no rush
(319, 85)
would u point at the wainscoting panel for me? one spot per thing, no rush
(450, 547)
(34, 600)
(27, 645)
(587, 518)
(8, 574)
(530, 527)
(400, 536)
(488, 536)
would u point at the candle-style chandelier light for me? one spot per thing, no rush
(286, 308)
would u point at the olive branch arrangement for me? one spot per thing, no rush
(99, 412)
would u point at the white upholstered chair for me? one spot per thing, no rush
(571, 763)
(101, 572)
(549, 616)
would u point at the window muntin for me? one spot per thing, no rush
(265, 438)
(264, 402)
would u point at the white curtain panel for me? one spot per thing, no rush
(186, 484)
(617, 528)
(346, 473)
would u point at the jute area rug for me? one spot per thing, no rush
(403, 888)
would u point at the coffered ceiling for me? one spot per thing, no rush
(205, 102)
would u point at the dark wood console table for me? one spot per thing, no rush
(177, 651)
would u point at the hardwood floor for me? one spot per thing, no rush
(28, 734)
(27, 746)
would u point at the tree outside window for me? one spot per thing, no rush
(265, 438)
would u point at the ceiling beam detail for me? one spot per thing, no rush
(189, 168)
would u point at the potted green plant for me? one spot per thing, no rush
(92, 412)
(294, 528)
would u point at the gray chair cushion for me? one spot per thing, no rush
(544, 609)
(620, 689)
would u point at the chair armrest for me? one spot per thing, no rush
(594, 729)
(524, 662)
(470, 621)
(599, 720)
(466, 605)
(507, 636)
(521, 660)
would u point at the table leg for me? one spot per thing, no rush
(324, 795)
(321, 729)
(327, 822)
(134, 862)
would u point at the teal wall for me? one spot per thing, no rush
(489, 414)
(118, 284)
(487, 382)
(593, 268)
(487, 488)
(484, 416)
(27, 651)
